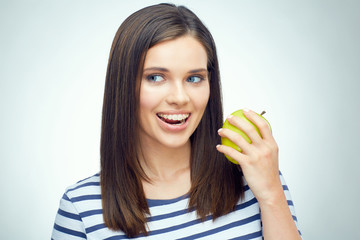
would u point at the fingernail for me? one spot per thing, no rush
(217, 146)
(220, 130)
(230, 116)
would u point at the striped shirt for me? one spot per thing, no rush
(80, 217)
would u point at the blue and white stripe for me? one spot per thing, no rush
(80, 217)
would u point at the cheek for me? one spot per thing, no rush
(146, 104)
(147, 100)
(202, 98)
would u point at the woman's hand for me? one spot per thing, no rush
(258, 160)
(259, 163)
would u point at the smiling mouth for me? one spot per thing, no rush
(174, 119)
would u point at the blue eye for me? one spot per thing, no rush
(155, 78)
(194, 79)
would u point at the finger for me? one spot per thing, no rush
(231, 152)
(236, 138)
(246, 126)
(261, 123)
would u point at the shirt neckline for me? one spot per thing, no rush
(159, 202)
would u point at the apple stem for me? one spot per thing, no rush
(262, 113)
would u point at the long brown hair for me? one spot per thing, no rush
(216, 183)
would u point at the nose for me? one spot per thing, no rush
(178, 94)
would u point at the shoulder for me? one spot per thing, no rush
(84, 189)
(83, 198)
(71, 221)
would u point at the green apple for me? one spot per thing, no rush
(227, 142)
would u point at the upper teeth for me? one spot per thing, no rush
(176, 117)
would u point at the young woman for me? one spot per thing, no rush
(163, 173)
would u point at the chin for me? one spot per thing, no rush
(174, 143)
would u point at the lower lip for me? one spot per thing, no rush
(173, 127)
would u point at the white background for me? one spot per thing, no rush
(298, 60)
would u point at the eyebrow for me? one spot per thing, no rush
(160, 69)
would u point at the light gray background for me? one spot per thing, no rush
(298, 60)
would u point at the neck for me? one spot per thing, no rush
(163, 163)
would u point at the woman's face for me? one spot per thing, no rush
(174, 92)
